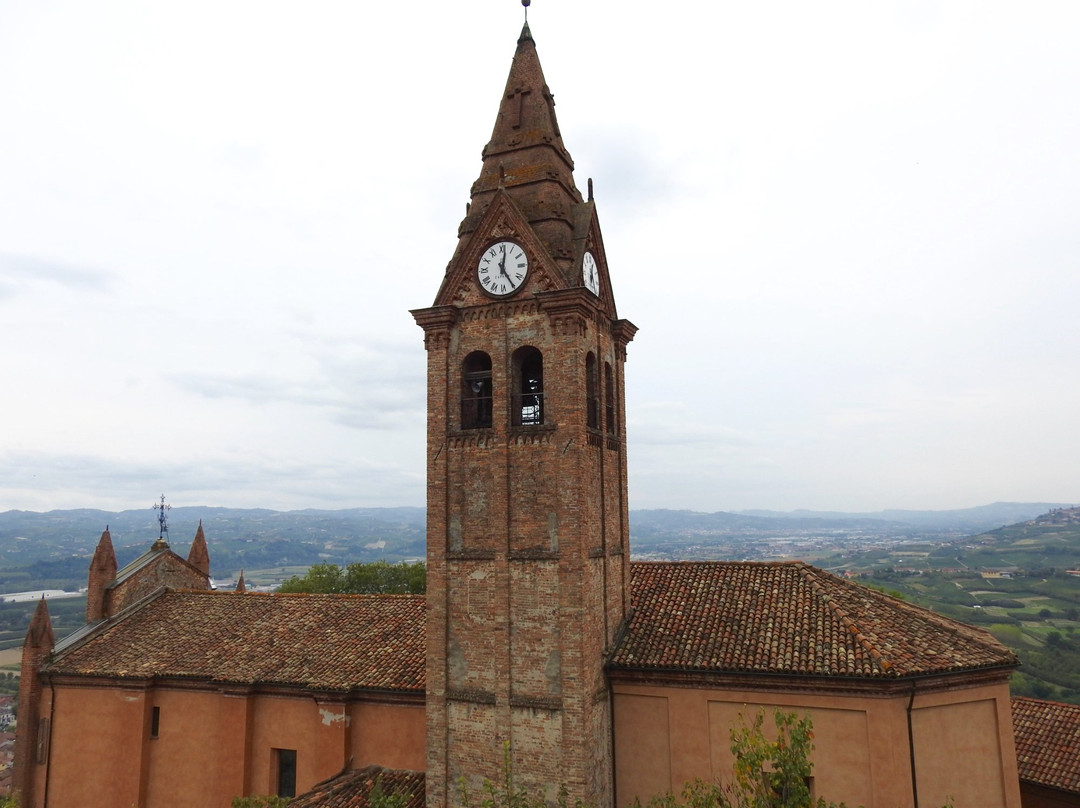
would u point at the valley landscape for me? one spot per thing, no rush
(1011, 568)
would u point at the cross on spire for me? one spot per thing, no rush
(162, 522)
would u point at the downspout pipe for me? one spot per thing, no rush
(611, 741)
(48, 746)
(911, 750)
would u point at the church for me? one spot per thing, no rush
(538, 635)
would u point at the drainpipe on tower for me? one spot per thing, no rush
(911, 750)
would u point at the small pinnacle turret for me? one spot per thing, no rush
(40, 634)
(37, 647)
(102, 572)
(199, 555)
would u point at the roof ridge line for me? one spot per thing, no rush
(809, 572)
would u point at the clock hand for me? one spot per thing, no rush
(502, 263)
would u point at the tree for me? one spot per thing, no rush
(320, 578)
(766, 773)
(375, 578)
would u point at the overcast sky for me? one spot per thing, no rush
(849, 233)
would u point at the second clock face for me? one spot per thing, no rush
(590, 273)
(502, 268)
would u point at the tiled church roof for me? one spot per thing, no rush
(788, 618)
(780, 618)
(325, 642)
(1048, 743)
(352, 789)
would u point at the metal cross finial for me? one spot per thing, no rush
(161, 508)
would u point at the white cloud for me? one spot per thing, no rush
(846, 232)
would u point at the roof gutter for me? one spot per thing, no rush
(911, 677)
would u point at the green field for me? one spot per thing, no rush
(1035, 610)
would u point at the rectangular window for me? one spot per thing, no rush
(155, 722)
(286, 772)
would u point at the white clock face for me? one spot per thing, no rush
(590, 273)
(502, 268)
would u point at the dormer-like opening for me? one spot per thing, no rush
(592, 393)
(528, 403)
(476, 391)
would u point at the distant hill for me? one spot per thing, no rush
(59, 544)
(971, 520)
(40, 550)
(1016, 581)
(1003, 566)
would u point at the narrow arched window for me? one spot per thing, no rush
(476, 391)
(528, 404)
(592, 393)
(609, 398)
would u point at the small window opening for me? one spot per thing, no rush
(155, 722)
(529, 387)
(609, 398)
(476, 393)
(286, 772)
(592, 397)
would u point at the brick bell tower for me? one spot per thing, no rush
(528, 546)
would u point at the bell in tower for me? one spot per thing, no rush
(527, 536)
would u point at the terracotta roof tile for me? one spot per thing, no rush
(788, 618)
(351, 788)
(331, 642)
(1048, 743)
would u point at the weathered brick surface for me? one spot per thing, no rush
(29, 744)
(165, 569)
(527, 552)
(527, 530)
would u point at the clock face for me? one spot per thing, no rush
(502, 268)
(590, 273)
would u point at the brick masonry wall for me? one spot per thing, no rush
(527, 554)
(167, 569)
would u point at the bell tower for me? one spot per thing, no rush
(528, 545)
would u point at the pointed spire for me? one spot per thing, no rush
(102, 573)
(104, 555)
(240, 585)
(199, 556)
(40, 634)
(526, 157)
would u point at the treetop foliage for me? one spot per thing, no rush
(374, 578)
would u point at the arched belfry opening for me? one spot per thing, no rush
(528, 400)
(476, 391)
(592, 393)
